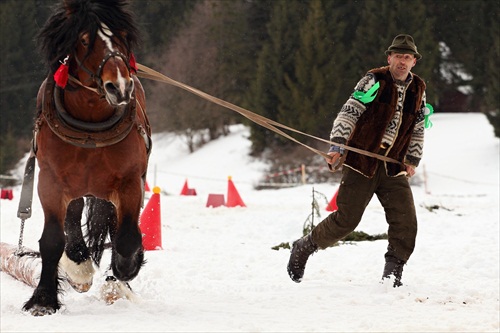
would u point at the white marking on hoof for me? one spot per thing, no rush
(79, 275)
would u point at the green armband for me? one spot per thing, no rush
(429, 110)
(367, 97)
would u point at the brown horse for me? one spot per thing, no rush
(92, 140)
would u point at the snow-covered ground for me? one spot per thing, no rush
(218, 273)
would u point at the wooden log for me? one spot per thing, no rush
(26, 268)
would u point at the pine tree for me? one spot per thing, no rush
(159, 21)
(342, 27)
(274, 62)
(470, 29)
(21, 74)
(309, 108)
(492, 80)
(413, 18)
(372, 37)
(261, 98)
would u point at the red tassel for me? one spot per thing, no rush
(133, 64)
(61, 75)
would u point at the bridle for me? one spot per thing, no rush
(96, 77)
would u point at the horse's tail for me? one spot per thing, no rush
(101, 219)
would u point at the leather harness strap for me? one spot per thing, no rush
(79, 133)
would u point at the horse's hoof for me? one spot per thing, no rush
(79, 275)
(79, 287)
(38, 311)
(43, 302)
(113, 290)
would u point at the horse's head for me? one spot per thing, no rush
(97, 38)
(105, 63)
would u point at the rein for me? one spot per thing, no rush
(75, 80)
(148, 73)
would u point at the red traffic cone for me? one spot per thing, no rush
(150, 222)
(332, 205)
(233, 197)
(146, 187)
(185, 188)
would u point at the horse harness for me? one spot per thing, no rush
(77, 133)
(86, 134)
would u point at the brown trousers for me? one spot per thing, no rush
(355, 192)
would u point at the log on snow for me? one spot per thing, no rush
(25, 268)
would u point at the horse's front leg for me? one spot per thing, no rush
(44, 299)
(75, 261)
(128, 253)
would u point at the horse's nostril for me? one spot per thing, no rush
(110, 88)
(118, 93)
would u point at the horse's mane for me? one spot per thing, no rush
(61, 33)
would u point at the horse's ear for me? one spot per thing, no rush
(72, 6)
(67, 5)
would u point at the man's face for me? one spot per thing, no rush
(400, 64)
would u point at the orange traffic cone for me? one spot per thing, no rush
(332, 205)
(150, 222)
(233, 197)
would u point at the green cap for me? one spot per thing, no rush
(403, 44)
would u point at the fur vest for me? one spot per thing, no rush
(371, 126)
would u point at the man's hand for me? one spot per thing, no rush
(334, 158)
(410, 170)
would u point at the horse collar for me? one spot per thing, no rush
(80, 133)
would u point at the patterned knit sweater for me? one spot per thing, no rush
(353, 109)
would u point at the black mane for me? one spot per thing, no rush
(61, 32)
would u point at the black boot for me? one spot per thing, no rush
(395, 268)
(301, 250)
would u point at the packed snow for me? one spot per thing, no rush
(217, 271)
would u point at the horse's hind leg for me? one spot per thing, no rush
(75, 261)
(101, 217)
(44, 299)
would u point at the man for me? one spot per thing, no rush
(384, 116)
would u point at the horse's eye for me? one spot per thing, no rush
(84, 39)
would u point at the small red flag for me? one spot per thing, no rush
(133, 64)
(62, 73)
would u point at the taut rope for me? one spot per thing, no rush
(148, 73)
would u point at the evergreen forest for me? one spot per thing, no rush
(293, 61)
